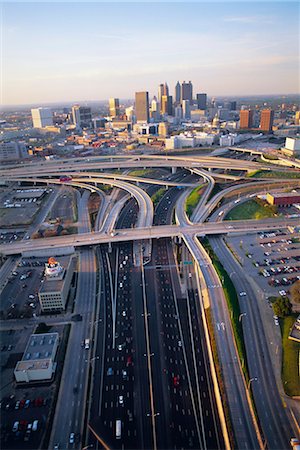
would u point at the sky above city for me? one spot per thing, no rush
(80, 51)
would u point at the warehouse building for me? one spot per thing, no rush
(283, 199)
(55, 287)
(38, 363)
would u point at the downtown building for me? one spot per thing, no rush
(246, 118)
(114, 107)
(142, 106)
(41, 117)
(266, 120)
(82, 116)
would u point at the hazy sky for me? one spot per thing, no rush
(75, 51)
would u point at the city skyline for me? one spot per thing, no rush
(95, 51)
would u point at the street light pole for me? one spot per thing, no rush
(241, 315)
(250, 381)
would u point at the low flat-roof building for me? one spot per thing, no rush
(55, 288)
(37, 363)
(283, 199)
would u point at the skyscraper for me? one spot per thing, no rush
(266, 120)
(163, 89)
(155, 109)
(42, 117)
(186, 109)
(114, 107)
(142, 106)
(246, 118)
(201, 101)
(232, 106)
(166, 104)
(82, 116)
(177, 93)
(187, 91)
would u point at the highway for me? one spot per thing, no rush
(71, 402)
(242, 417)
(276, 422)
(131, 234)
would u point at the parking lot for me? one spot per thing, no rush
(25, 408)
(20, 295)
(272, 259)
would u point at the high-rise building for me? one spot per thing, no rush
(177, 93)
(266, 120)
(12, 150)
(42, 117)
(246, 118)
(155, 111)
(82, 116)
(166, 104)
(178, 112)
(202, 101)
(114, 107)
(163, 89)
(186, 109)
(232, 106)
(297, 118)
(187, 91)
(142, 106)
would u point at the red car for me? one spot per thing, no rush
(176, 380)
(129, 360)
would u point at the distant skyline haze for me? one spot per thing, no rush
(94, 51)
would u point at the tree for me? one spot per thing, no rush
(282, 307)
(295, 292)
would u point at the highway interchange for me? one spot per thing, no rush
(149, 363)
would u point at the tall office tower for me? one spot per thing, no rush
(187, 91)
(142, 106)
(42, 117)
(166, 104)
(297, 118)
(246, 118)
(266, 120)
(186, 109)
(202, 101)
(160, 92)
(177, 93)
(82, 116)
(114, 107)
(155, 111)
(163, 89)
(232, 106)
(129, 113)
(178, 112)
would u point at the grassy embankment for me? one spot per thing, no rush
(273, 174)
(193, 199)
(156, 197)
(232, 303)
(290, 358)
(253, 209)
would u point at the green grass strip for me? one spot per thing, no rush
(232, 303)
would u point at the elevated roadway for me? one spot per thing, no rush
(131, 234)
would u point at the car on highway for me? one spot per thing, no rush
(35, 425)
(121, 399)
(176, 380)
(124, 313)
(120, 347)
(72, 438)
(124, 374)
(110, 371)
(15, 427)
(17, 406)
(242, 294)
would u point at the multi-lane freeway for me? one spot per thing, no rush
(148, 380)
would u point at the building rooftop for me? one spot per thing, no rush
(55, 283)
(40, 347)
(41, 364)
(285, 194)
